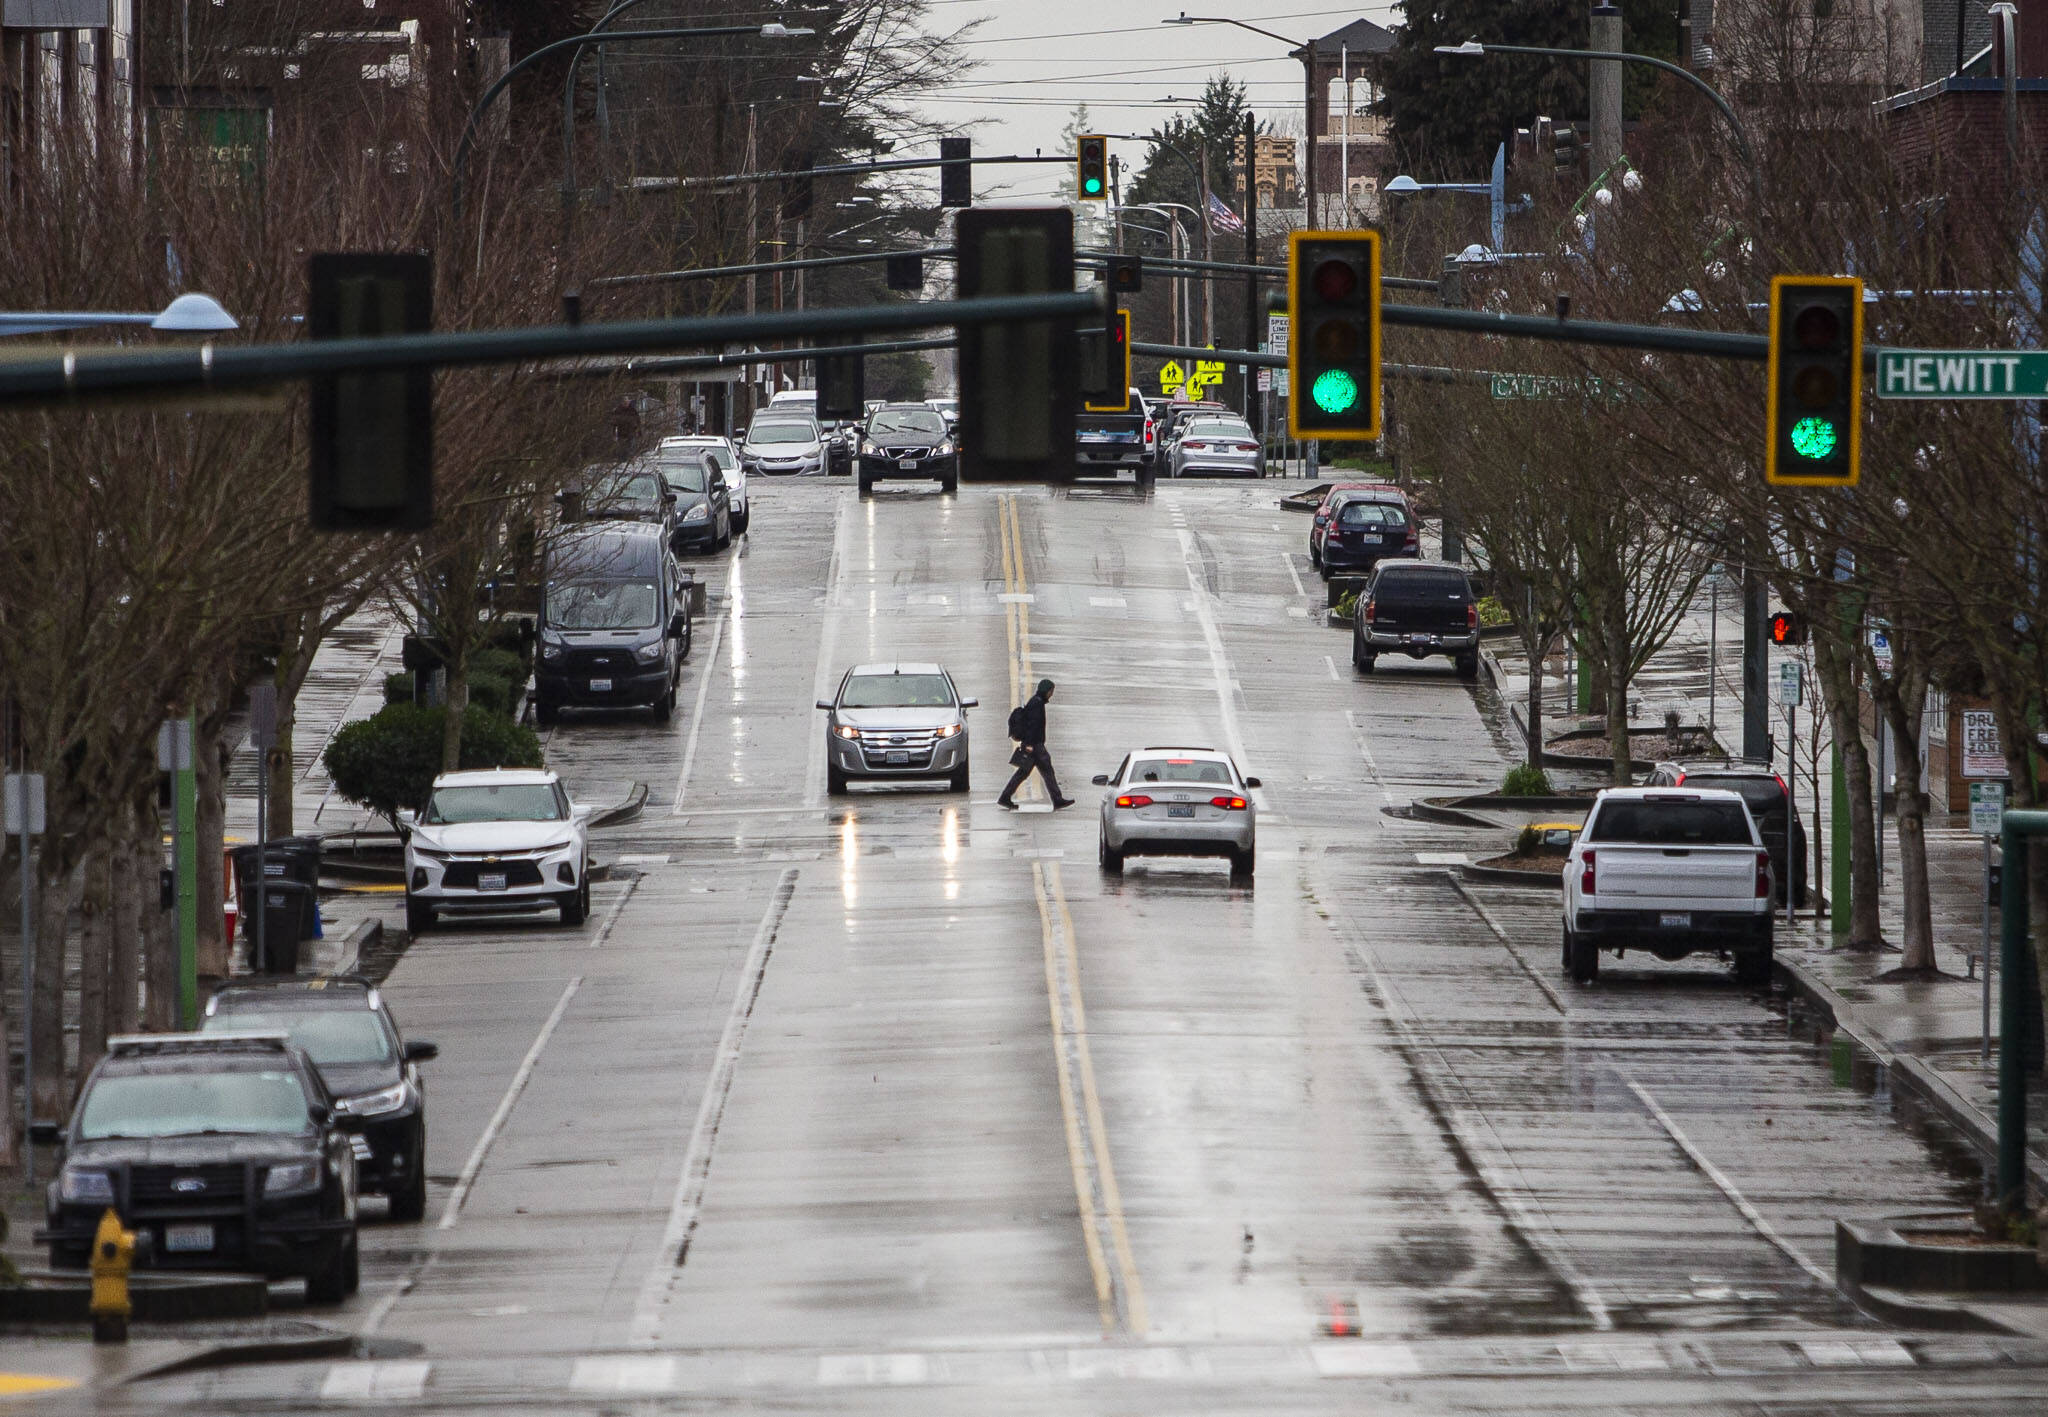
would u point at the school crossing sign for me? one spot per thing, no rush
(1962, 374)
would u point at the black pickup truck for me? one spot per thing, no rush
(1116, 440)
(1417, 608)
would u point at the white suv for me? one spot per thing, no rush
(496, 839)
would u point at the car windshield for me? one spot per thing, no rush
(626, 489)
(186, 1103)
(327, 1035)
(1206, 770)
(1218, 430)
(1763, 794)
(782, 433)
(1371, 514)
(1671, 822)
(602, 605)
(684, 476)
(867, 691)
(493, 802)
(906, 420)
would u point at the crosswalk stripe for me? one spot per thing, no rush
(374, 1381)
(630, 1372)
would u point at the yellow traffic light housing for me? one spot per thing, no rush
(1333, 335)
(1091, 167)
(1115, 395)
(1813, 394)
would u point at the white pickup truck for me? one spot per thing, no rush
(1673, 872)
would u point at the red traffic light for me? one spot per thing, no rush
(1335, 280)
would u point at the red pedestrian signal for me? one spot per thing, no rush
(1788, 628)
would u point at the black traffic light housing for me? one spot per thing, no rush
(797, 191)
(1124, 275)
(1091, 167)
(905, 272)
(1333, 339)
(1813, 410)
(1105, 364)
(372, 434)
(1788, 627)
(842, 387)
(1564, 147)
(956, 178)
(1018, 388)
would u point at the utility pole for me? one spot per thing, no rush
(1756, 668)
(1252, 316)
(1605, 88)
(753, 244)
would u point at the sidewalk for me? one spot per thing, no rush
(1924, 1038)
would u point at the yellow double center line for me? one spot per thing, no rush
(1118, 1293)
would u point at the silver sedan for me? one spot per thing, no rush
(1178, 802)
(1216, 445)
(895, 722)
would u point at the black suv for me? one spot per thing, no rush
(220, 1151)
(1769, 801)
(373, 1073)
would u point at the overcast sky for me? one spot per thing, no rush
(1040, 58)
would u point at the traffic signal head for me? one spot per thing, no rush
(1105, 360)
(1333, 337)
(1125, 275)
(1091, 167)
(1018, 387)
(956, 177)
(1787, 628)
(371, 435)
(1564, 143)
(905, 271)
(1814, 390)
(842, 386)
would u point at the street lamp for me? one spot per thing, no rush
(1184, 18)
(189, 314)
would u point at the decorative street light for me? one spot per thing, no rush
(189, 314)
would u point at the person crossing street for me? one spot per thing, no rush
(1027, 726)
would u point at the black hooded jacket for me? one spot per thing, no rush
(1029, 728)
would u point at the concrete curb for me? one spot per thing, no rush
(335, 1344)
(1503, 876)
(366, 932)
(626, 811)
(1909, 1074)
(1896, 1306)
(1452, 816)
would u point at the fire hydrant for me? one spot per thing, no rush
(113, 1254)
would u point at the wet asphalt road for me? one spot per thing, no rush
(895, 1103)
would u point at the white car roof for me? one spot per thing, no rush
(1216, 753)
(695, 440)
(897, 668)
(502, 777)
(1667, 794)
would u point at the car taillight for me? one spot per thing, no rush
(1228, 804)
(1472, 616)
(1586, 876)
(1410, 543)
(1246, 447)
(1763, 875)
(1782, 787)
(1136, 800)
(1193, 447)
(1371, 609)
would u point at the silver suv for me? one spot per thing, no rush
(896, 721)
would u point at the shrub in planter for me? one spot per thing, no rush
(492, 692)
(398, 688)
(1346, 607)
(1528, 841)
(388, 761)
(1525, 780)
(506, 664)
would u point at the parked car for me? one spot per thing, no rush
(614, 622)
(780, 445)
(1218, 445)
(908, 440)
(895, 722)
(1180, 411)
(1327, 508)
(728, 462)
(1366, 527)
(342, 1024)
(620, 492)
(496, 839)
(220, 1151)
(703, 502)
(1178, 802)
(948, 409)
(1770, 803)
(1416, 608)
(1674, 872)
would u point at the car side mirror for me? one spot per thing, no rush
(407, 818)
(320, 1116)
(970, 703)
(418, 1050)
(1100, 779)
(46, 1133)
(581, 811)
(1252, 782)
(825, 704)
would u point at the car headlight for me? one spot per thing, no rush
(947, 730)
(292, 1178)
(648, 652)
(699, 513)
(847, 730)
(429, 853)
(945, 450)
(552, 652)
(870, 449)
(84, 1186)
(371, 1104)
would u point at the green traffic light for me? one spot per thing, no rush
(1334, 391)
(1814, 437)
(1094, 185)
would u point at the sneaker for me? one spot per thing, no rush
(1006, 804)
(1063, 802)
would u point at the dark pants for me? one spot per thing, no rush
(1041, 760)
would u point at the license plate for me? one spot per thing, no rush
(188, 1239)
(1421, 639)
(907, 464)
(491, 881)
(898, 758)
(1681, 920)
(1180, 811)
(600, 686)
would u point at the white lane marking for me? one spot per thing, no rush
(1372, 764)
(1331, 665)
(697, 713)
(688, 1202)
(1287, 560)
(1624, 1356)
(611, 917)
(660, 860)
(624, 1373)
(1364, 1360)
(1219, 662)
(1108, 602)
(1514, 952)
(826, 676)
(1727, 1188)
(1017, 597)
(1856, 1353)
(374, 1382)
(878, 1369)
(453, 1210)
(1441, 858)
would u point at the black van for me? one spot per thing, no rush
(614, 621)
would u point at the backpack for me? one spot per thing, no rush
(1017, 723)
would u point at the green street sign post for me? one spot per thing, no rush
(1962, 374)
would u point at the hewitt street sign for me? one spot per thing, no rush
(1962, 374)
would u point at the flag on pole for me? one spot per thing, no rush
(1222, 217)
